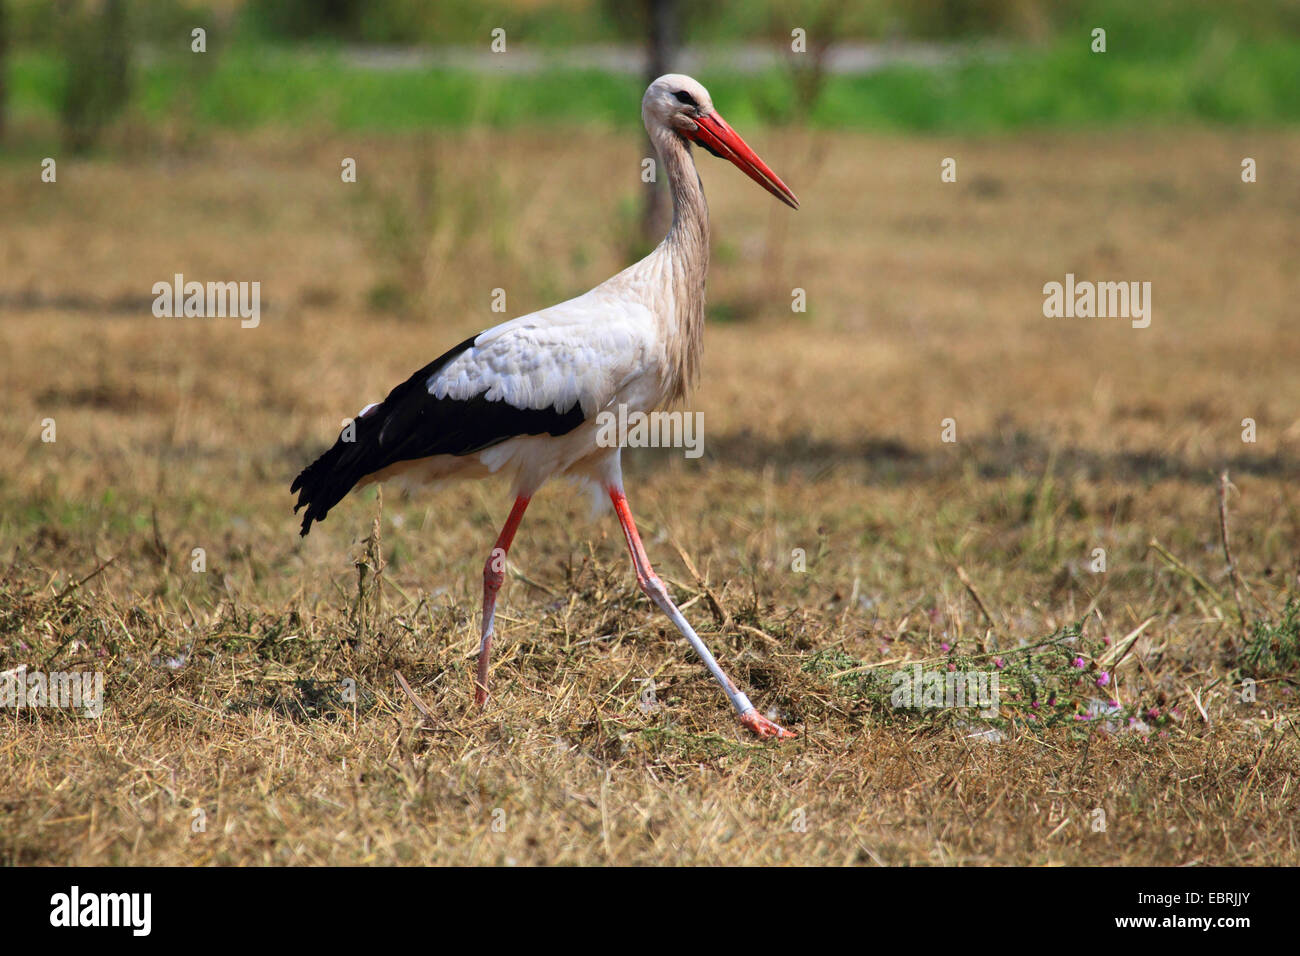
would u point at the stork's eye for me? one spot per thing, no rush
(684, 97)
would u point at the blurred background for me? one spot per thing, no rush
(116, 78)
(870, 64)
(497, 145)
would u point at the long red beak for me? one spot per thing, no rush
(714, 134)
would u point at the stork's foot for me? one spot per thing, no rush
(764, 727)
(480, 695)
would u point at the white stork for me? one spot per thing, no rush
(521, 399)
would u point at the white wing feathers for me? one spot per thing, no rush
(578, 352)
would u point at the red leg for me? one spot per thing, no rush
(655, 590)
(494, 572)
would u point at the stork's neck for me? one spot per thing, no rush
(685, 254)
(689, 234)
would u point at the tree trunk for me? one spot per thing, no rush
(97, 53)
(656, 215)
(4, 62)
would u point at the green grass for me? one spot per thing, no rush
(1274, 647)
(1216, 79)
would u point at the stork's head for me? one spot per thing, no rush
(682, 105)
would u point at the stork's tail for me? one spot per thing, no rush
(397, 428)
(327, 480)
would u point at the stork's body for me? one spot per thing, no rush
(522, 398)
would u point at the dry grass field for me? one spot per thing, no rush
(229, 735)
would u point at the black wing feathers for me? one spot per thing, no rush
(411, 423)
